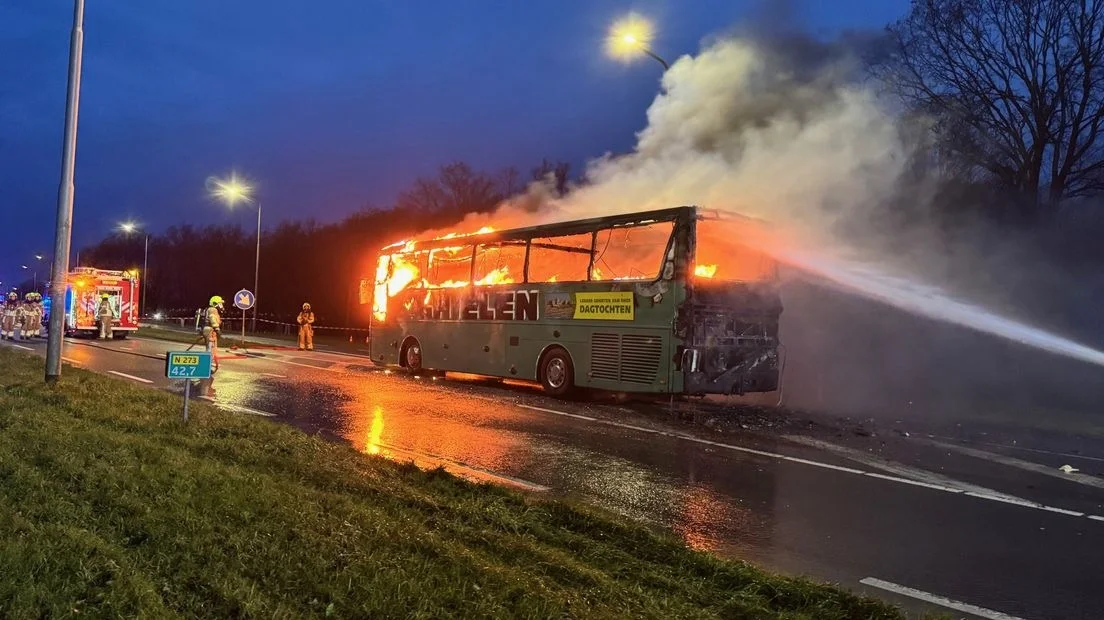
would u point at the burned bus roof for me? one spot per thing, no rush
(572, 227)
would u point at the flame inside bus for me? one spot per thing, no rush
(724, 251)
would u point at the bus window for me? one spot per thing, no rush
(631, 252)
(500, 263)
(727, 250)
(559, 259)
(449, 267)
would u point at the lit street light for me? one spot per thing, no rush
(630, 37)
(234, 190)
(128, 229)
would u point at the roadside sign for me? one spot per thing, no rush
(244, 300)
(188, 365)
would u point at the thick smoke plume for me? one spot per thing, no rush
(787, 134)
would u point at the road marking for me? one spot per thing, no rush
(70, 360)
(952, 486)
(19, 346)
(897, 469)
(237, 408)
(272, 374)
(935, 599)
(461, 470)
(1009, 461)
(1026, 449)
(132, 377)
(570, 415)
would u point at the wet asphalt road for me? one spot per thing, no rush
(996, 527)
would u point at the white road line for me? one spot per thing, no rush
(132, 377)
(958, 487)
(894, 468)
(19, 346)
(272, 374)
(236, 408)
(69, 359)
(570, 415)
(935, 599)
(461, 470)
(1009, 461)
(1026, 449)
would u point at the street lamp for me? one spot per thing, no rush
(630, 37)
(129, 228)
(234, 190)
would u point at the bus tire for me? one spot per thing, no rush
(410, 355)
(119, 335)
(556, 372)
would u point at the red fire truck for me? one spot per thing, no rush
(87, 285)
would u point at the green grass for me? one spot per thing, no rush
(111, 507)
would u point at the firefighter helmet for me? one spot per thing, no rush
(306, 306)
(216, 301)
(13, 296)
(105, 296)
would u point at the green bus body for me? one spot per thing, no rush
(670, 334)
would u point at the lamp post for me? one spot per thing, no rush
(231, 191)
(64, 233)
(630, 37)
(129, 228)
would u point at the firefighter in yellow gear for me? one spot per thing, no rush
(10, 317)
(105, 315)
(306, 328)
(212, 327)
(32, 316)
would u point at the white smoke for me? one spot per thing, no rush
(733, 130)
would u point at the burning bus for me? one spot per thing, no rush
(669, 301)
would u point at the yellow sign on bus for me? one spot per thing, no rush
(608, 306)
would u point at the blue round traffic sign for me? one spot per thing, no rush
(244, 300)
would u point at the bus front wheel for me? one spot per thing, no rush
(557, 373)
(412, 355)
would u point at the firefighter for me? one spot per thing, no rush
(306, 328)
(30, 317)
(8, 318)
(212, 328)
(105, 316)
(40, 315)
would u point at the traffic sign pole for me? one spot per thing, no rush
(188, 366)
(244, 300)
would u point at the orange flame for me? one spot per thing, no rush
(705, 271)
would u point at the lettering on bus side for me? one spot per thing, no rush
(448, 305)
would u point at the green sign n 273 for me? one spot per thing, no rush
(188, 365)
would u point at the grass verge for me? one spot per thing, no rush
(109, 506)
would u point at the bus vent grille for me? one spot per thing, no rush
(628, 358)
(640, 357)
(605, 356)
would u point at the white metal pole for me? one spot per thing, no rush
(64, 233)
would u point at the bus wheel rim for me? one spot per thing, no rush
(556, 373)
(414, 356)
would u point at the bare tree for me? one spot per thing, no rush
(554, 173)
(1016, 88)
(458, 189)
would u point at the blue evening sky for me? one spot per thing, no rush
(330, 106)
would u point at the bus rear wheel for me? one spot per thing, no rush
(557, 373)
(412, 355)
